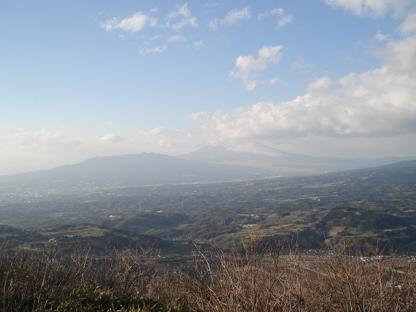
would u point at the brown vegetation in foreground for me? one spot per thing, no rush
(244, 281)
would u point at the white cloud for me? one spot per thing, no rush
(214, 24)
(163, 136)
(409, 24)
(199, 44)
(283, 19)
(173, 39)
(39, 138)
(172, 138)
(401, 55)
(381, 37)
(176, 39)
(247, 65)
(233, 17)
(275, 81)
(152, 50)
(300, 64)
(211, 5)
(111, 138)
(28, 149)
(319, 84)
(182, 17)
(237, 16)
(374, 8)
(133, 23)
(378, 102)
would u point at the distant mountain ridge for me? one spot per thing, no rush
(286, 164)
(206, 165)
(135, 169)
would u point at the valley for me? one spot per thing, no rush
(368, 208)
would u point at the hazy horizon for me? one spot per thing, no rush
(324, 78)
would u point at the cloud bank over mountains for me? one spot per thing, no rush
(377, 102)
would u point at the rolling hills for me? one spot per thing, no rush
(367, 207)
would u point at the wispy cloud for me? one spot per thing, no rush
(282, 18)
(375, 8)
(233, 17)
(300, 64)
(177, 39)
(40, 138)
(247, 65)
(274, 81)
(111, 138)
(181, 17)
(199, 44)
(152, 50)
(322, 83)
(380, 37)
(133, 23)
(173, 39)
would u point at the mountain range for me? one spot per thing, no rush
(206, 165)
(283, 163)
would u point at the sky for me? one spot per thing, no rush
(80, 79)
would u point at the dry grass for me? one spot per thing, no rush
(334, 282)
(47, 281)
(216, 281)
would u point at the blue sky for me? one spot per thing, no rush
(75, 71)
